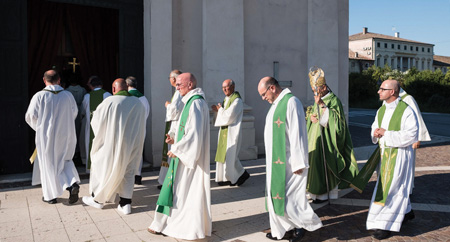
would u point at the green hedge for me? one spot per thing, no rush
(430, 89)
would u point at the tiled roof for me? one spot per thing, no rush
(369, 35)
(441, 60)
(352, 55)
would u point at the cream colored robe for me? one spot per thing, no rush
(390, 216)
(298, 212)
(52, 116)
(232, 169)
(190, 217)
(118, 124)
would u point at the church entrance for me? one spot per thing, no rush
(72, 39)
(76, 38)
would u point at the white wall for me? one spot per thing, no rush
(216, 39)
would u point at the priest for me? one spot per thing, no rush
(132, 89)
(173, 111)
(90, 102)
(286, 148)
(52, 114)
(395, 129)
(331, 158)
(119, 127)
(184, 205)
(229, 170)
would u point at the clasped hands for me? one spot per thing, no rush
(379, 132)
(216, 108)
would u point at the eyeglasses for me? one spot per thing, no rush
(264, 94)
(383, 89)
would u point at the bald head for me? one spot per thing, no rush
(119, 85)
(228, 87)
(51, 77)
(389, 90)
(269, 89)
(185, 83)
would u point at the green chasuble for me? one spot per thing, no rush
(95, 98)
(135, 93)
(278, 177)
(165, 199)
(223, 133)
(341, 162)
(388, 159)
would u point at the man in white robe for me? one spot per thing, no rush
(132, 89)
(423, 131)
(173, 112)
(52, 114)
(119, 127)
(95, 84)
(190, 215)
(296, 213)
(390, 205)
(229, 170)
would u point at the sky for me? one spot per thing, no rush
(426, 21)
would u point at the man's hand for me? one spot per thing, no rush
(216, 108)
(169, 140)
(298, 172)
(379, 132)
(167, 103)
(314, 118)
(171, 155)
(416, 145)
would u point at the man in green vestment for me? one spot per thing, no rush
(329, 139)
(90, 102)
(286, 149)
(229, 170)
(395, 129)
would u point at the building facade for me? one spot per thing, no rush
(393, 51)
(213, 39)
(441, 63)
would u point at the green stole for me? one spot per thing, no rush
(278, 177)
(165, 199)
(165, 145)
(223, 133)
(135, 93)
(95, 98)
(388, 159)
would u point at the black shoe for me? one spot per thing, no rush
(53, 201)
(225, 183)
(408, 216)
(242, 178)
(138, 180)
(381, 234)
(287, 235)
(297, 235)
(318, 201)
(159, 187)
(73, 190)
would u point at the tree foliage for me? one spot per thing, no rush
(430, 89)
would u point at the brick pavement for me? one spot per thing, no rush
(238, 212)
